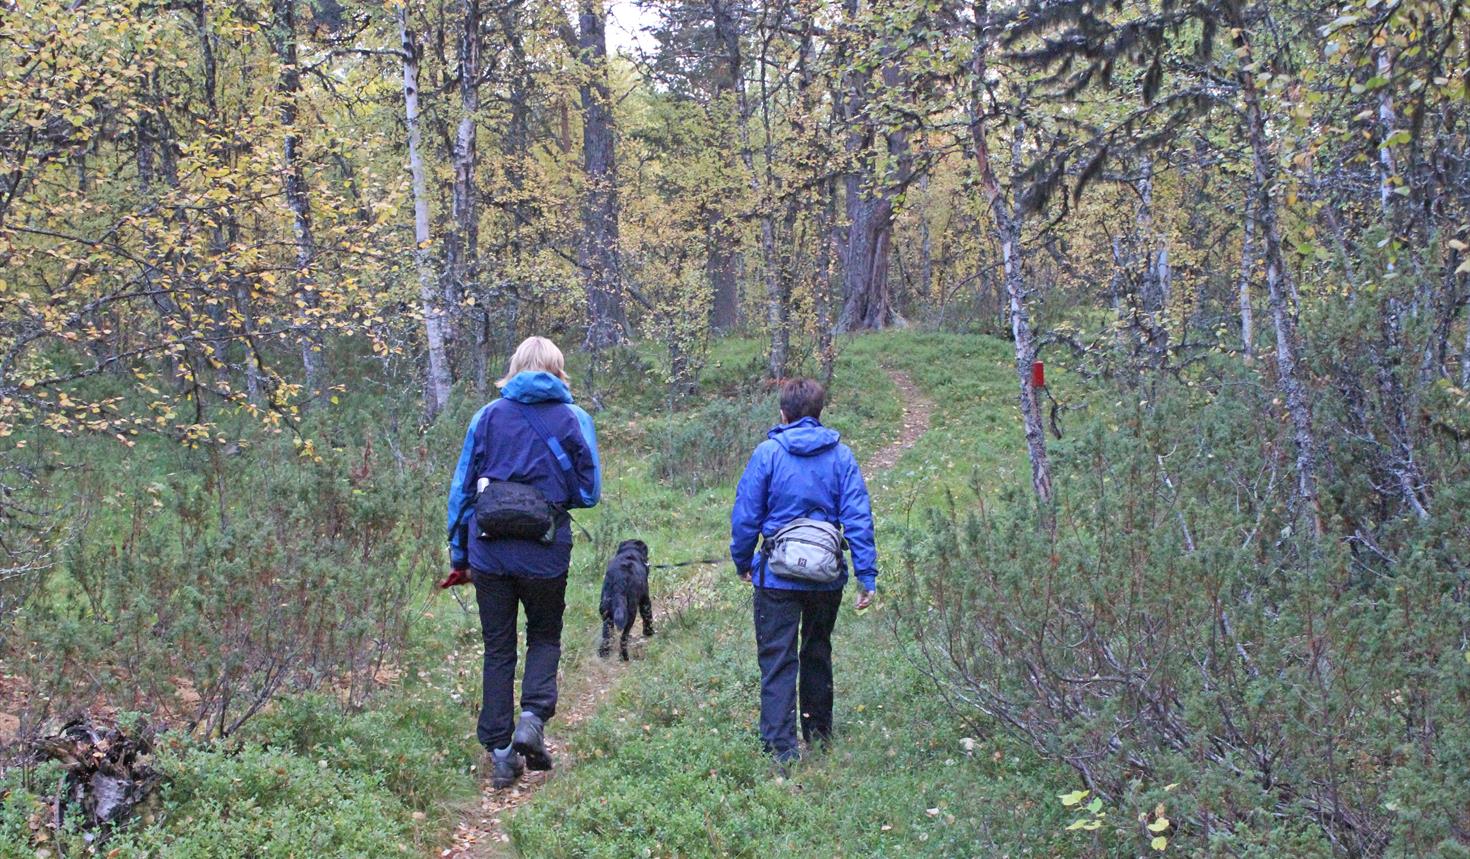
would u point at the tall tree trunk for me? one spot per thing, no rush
(438, 383)
(1007, 228)
(763, 180)
(1247, 269)
(722, 269)
(288, 89)
(827, 235)
(1280, 291)
(517, 147)
(777, 312)
(868, 296)
(723, 263)
(225, 226)
(926, 251)
(598, 257)
(462, 240)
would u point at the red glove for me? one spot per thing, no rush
(455, 577)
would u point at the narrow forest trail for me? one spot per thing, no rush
(481, 834)
(918, 414)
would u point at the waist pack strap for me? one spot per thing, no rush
(554, 445)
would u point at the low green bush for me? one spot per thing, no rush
(1181, 641)
(203, 594)
(709, 445)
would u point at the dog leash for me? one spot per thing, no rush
(686, 563)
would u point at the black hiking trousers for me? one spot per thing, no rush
(793, 636)
(500, 598)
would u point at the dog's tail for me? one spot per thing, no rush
(619, 598)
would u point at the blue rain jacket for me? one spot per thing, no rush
(802, 469)
(500, 445)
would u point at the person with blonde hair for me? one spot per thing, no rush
(528, 457)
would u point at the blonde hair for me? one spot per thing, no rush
(533, 355)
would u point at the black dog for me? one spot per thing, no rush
(624, 592)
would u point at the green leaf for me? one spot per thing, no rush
(1096, 805)
(1159, 825)
(1074, 797)
(1159, 843)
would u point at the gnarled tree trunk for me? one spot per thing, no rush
(723, 264)
(867, 294)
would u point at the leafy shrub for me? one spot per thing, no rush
(1306, 698)
(203, 594)
(306, 778)
(266, 802)
(708, 446)
(411, 744)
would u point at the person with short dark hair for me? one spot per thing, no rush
(801, 470)
(802, 398)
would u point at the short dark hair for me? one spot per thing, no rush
(802, 398)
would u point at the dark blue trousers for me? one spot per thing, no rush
(499, 598)
(793, 636)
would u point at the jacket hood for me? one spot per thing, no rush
(537, 387)
(806, 437)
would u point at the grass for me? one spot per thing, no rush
(672, 765)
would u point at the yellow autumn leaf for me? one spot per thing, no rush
(1159, 843)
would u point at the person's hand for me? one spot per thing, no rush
(865, 599)
(744, 576)
(457, 576)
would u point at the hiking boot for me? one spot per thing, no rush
(505, 767)
(782, 762)
(528, 740)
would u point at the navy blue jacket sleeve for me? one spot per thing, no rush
(462, 496)
(749, 513)
(857, 521)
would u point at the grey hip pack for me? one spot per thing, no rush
(806, 549)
